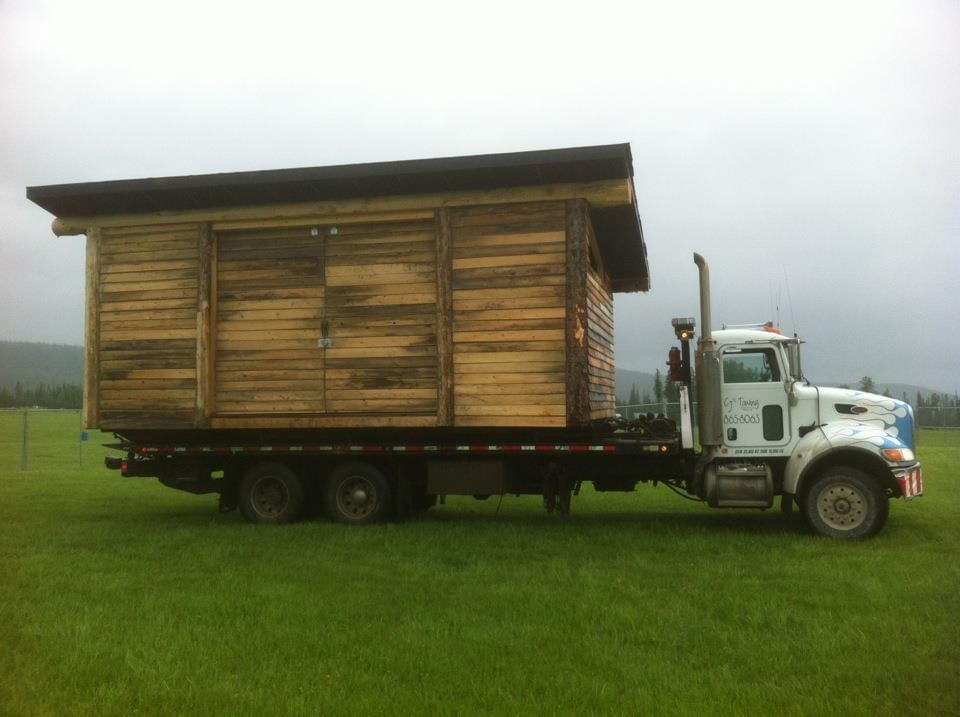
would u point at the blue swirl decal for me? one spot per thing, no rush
(897, 416)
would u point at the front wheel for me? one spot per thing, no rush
(845, 503)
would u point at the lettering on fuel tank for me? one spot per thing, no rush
(740, 411)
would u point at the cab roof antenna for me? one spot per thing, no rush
(793, 319)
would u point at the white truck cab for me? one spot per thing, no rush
(765, 431)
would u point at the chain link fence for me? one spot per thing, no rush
(46, 438)
(938, 416)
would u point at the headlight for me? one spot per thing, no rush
(898, 455)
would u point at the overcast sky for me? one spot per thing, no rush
(809, 150)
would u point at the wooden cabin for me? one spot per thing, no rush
(467, 291)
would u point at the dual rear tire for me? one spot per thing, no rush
(357, 493)
(271, 493)
(354, 493)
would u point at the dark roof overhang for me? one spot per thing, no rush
(617, 228)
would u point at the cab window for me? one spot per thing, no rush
(751, 366)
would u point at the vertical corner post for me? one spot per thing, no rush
(205, 300)
(577, 363)
(445, 378)
(91, 366)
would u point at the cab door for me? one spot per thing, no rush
(754, 401)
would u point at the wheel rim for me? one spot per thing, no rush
(270, 496)
(842, 506)
(356, 497)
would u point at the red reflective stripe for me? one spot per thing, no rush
(472, 448)
(911, 484)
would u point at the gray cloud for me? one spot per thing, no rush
(809, 146)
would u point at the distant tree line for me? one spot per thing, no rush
(41, 395)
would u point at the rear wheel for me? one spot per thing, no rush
(357, 493)
(845, 503)
(271, 493)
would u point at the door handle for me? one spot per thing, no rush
(325, 341)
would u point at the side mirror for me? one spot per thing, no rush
(790, 387)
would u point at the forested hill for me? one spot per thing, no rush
(31, 364)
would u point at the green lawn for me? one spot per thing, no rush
(120, 596)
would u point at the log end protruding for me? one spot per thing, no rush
(66, 228)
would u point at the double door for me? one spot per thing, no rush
(326, 320)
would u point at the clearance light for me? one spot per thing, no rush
(898, 455)
(683, 327)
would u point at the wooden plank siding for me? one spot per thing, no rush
(600, 358)
(146, 309)
(493, 315)
(509, 284)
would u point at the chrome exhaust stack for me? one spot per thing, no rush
(706, 325)
(708, 367)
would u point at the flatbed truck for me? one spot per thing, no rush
(379, 336)
(765, 432)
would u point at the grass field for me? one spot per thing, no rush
(119, 596)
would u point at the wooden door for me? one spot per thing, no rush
(328, 319)
(269, 319)
(381, 281)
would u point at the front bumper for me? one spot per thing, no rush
(910, 481)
